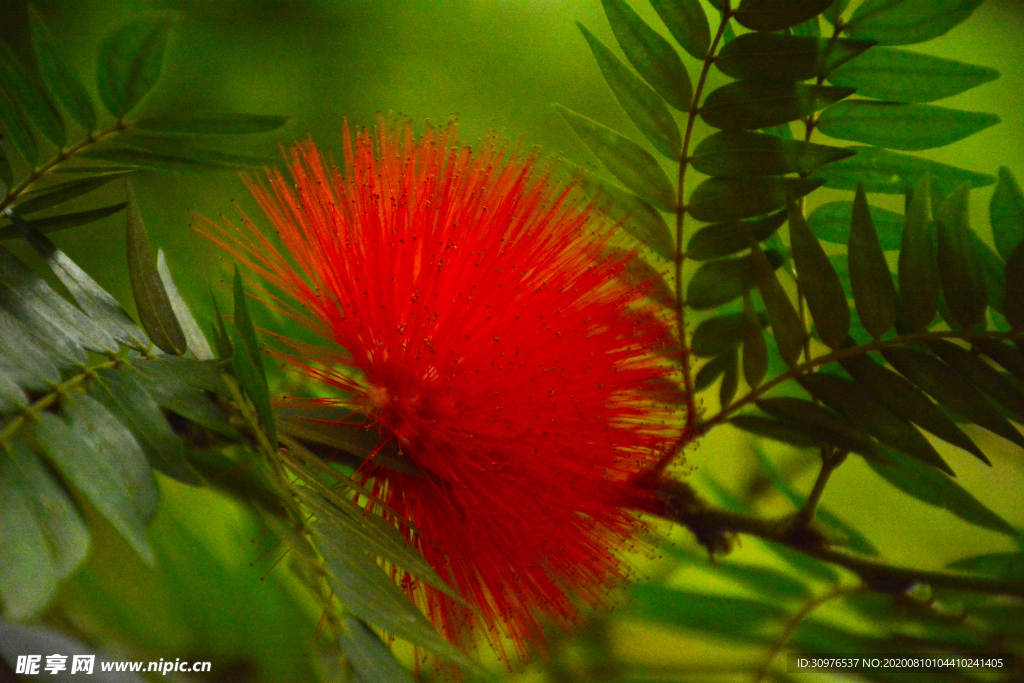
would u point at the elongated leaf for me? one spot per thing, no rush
(786, 325)
(627, 161)
(748, 105)
(729, 199)
(831, 222)
(12, 398)
(773, 429)
(21, 358)
(717, 334)
(819, 282)
(740, 153)
(98, 456)
(64, 221)
(217, 123)
(780, 57)
(992, 270)
(643, 106)
(819, 424)
(727, 238)
(65, 192)
(719, 282)
(960, 268)
(1011, 358)
(755, 350)
(371, 659)
(714, 369)
(183, 385)
(248, 362)
(130, 61)
(57, 75)
(17, 130)
(195, 341)
(770, 15)
(808, 29)
(22, 90)
(918, 263)
(882, 171)
(982, 376)
(90, 297)
(835, 11)
(688, 24)
(1006, 211)
(637, 217)
(739, 618)
(945, 386)
(938, 490)
(873, 291)
(370, 594)
(903, 398)
(650, 54)
(854, 403)
(1013, 293)
(889, 73)
(155, 310)
(127, 399)
(1008, 566)
(901, 126)
(642, 275)
(160, 156)
(902, 22)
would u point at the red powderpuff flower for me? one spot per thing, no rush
(483, 332)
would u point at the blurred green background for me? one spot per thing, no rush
(496, 65)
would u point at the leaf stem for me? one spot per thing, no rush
(830, 460)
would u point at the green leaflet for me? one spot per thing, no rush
(1009, 566)
(17, 130)
(130, 60)
(101, 459)
(1006, 212)
(901, 126)
(755, 350)
(960, 267)
(195, 341)
(773, 429)
(688, 24)
(903, 398)
(247, 361)
(902, 22)
(631, 164)
(12, 398)
(155, 311)
(939, 380)
(717, 334)
(643, 106)
(1013, 294)
(741, 153)
(854, 403)
(217, 123)
(369, 657)
(650, 54)
(740, 619)
(918, 263)
(835, 10)
(819, 282)
(808, 29)
(25, 94)
(370, 594)
(748, 105)
(982, 376)
(100, 306)
(719, 282)
(637, 217)
(64, 221)
(882, 171)
(713, 369)
(771, 15)
(873, 291)
(164, 155)
(638, 273)
(22, 360)
(61, 80)
(897, 75)
(819, 424)
(938, 490)
(184, 386)
(728, 199)
(780, 57)
(730, 237)
(831, 222)
(63, 192)
(786, 325)
(1010, 357)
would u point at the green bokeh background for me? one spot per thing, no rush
(496, 65)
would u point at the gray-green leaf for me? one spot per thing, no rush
(22, 90)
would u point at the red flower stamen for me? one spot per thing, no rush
(484, 331)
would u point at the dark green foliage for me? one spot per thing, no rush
(819, 281)
(748, 105)
(727, 238)
(130, 61)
